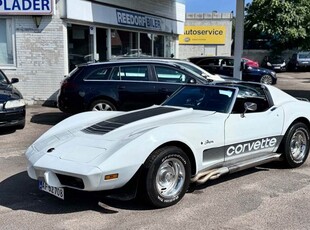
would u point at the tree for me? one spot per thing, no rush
(284, 22)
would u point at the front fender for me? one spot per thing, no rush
(132, 154)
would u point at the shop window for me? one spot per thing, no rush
(169, 46)
(146, 44)
(6, 42)
(80, 45)
(124, 44)
(159, 42)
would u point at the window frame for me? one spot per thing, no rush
(13, 42)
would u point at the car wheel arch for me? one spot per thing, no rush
(186, 149)
(297, 120)
(109, 99)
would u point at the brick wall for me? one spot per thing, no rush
(40, 52)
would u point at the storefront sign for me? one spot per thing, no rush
(137, 20)
(92, 12)
(203, 35)
(26, 7)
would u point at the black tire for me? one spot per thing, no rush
(102, 105)
(166, 177)
(296, 145)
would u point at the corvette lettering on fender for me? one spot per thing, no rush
(254, 145)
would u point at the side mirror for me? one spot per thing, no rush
(249, 106)
(14, 80)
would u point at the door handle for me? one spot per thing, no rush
(121, 87)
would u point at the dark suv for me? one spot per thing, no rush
(225, 66)
(122, 85)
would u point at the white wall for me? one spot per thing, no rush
(40, 59)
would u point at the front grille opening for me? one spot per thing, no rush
(71, 181)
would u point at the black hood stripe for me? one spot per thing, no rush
(106, 126)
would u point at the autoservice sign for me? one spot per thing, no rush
(203, 35)
(26, 7)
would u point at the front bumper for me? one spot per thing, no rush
(12, 117)
(65, 173)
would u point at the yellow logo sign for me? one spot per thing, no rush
(203, 35)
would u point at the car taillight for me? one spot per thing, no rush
(68, 85)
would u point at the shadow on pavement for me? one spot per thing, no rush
(50, 118)
(19, 192)
(7, 130)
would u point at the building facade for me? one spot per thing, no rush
(43, 40)
(206, 34)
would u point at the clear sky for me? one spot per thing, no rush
(204, 6)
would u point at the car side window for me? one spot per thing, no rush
(130, 73)
(227, 62)
(167, 74)
(254, 95)
(210, 62)
(99, 74)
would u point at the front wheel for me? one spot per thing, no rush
(296, 145)
(166, 177)
(266, 79)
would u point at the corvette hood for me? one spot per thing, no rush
(143, 119)
(104, 138)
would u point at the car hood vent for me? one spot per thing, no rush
(106, 126)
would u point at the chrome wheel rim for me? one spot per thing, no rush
(266, 80)
(170, 178)
(298, 145)
(102, 107)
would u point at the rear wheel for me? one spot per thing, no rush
(166, 177)
(102, 105)
(296, 145)
(266, 79)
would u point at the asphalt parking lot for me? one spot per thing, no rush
(265, 197)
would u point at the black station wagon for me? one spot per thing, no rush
(122, 85)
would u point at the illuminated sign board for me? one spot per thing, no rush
(207, 35)
(26, 7)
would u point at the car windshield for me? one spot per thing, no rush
(195, 68)
(276, 59)
(211, 98)
(304, 55)
(3, 79)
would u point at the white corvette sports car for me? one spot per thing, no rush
(199, 133)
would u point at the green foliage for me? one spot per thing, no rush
(285, 22)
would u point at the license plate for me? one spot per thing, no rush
(58, 192)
